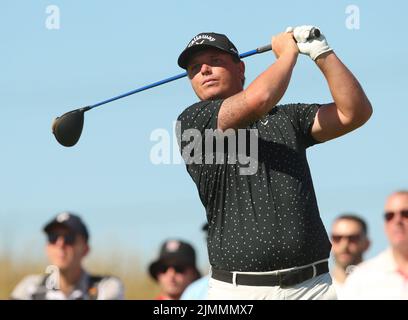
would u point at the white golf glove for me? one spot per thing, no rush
(313, 47)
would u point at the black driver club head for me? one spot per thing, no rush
(67, 129)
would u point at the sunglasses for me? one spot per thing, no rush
(178, 269)
(389, 215)
(353, 238)
(69, 238)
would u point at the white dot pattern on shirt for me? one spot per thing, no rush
(269, 220)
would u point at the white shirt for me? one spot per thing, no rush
(338, 286)
(109, 288)
(376, 279)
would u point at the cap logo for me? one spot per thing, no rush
(172, 245)
(202, 37)
(63, 217)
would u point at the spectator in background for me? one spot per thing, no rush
(386, 275)
(198, 290)
(68, 245)
(175, 269)
(349, 238)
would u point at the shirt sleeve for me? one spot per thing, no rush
(202, 115)
(191, 129)
(26, 287)
(193, 122)
(302, 117)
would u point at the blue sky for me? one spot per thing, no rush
(105, 48)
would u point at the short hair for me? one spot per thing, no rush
(236, 59)
(356, 218)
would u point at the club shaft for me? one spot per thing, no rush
(152, 85)
(176, 77)
(314, 33)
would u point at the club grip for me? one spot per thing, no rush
(314, 33)
(268, 47)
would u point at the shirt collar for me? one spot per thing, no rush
(80, 290)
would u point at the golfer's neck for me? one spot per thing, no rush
(69, 279)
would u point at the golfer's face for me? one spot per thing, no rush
(65, 249)
(215, 75)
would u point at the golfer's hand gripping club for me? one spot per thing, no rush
(313, 47)
(67, 129)
(313, 33)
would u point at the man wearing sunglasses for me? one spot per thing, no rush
(386, 275)
(67, 246)
(349, 242)
(175, 269)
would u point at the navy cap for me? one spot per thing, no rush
(174, 252)
(204, 41)
(69, 220)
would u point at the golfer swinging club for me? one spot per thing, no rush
(266, 239)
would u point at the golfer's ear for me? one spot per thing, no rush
(242, 66)
(242, 70)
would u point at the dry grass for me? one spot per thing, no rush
(138, 284)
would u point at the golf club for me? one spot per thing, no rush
(67, 129)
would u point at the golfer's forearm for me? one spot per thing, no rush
(346, 91)
(259, 98)
(269, 87)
